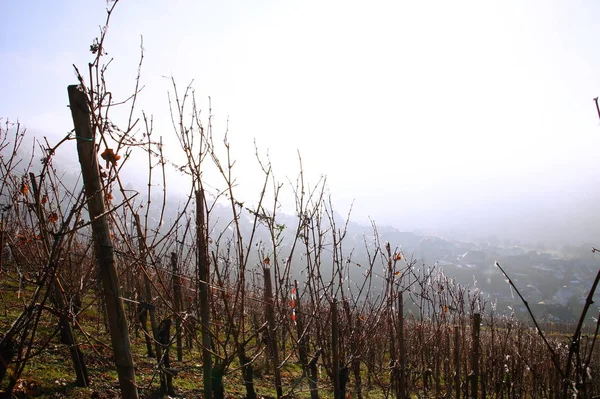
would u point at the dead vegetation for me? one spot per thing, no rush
(106, 289)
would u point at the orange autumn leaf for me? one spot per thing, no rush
(398, 256)
(267, 261)
(44, 199)
(22, 240)
(53, 217)
(24, 188)
(110, 157)
(445, 309)
(397, 273)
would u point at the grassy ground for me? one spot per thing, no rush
(50, 373)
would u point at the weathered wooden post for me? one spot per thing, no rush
(178, 304)
(402, 348)
(356, 359)
(2, 245)
(247, 371)
(457, 362)
(142, 319)
(270, 313)
(203, 274)
(149, 301)
(335, 351)
(447, 357)
(475, 356)
(103, 247)
(164, 364)
(303, 343)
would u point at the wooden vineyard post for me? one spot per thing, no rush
(103, 246)
(149, 302)
(475, 356)
(203, 275)
(303, 344)
(164, 364)
(2, 245)
(270, 313)
(402, 349)
(178, 304)
(335, 358)
(447, 357)
(142, 319)
(356, 361)
(457, 362)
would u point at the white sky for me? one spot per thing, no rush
(417, 110)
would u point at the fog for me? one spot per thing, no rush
(467, 120)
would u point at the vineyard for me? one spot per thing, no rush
(109, 291)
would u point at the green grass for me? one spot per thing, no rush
(51, 371)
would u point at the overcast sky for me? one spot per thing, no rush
(429, 114)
